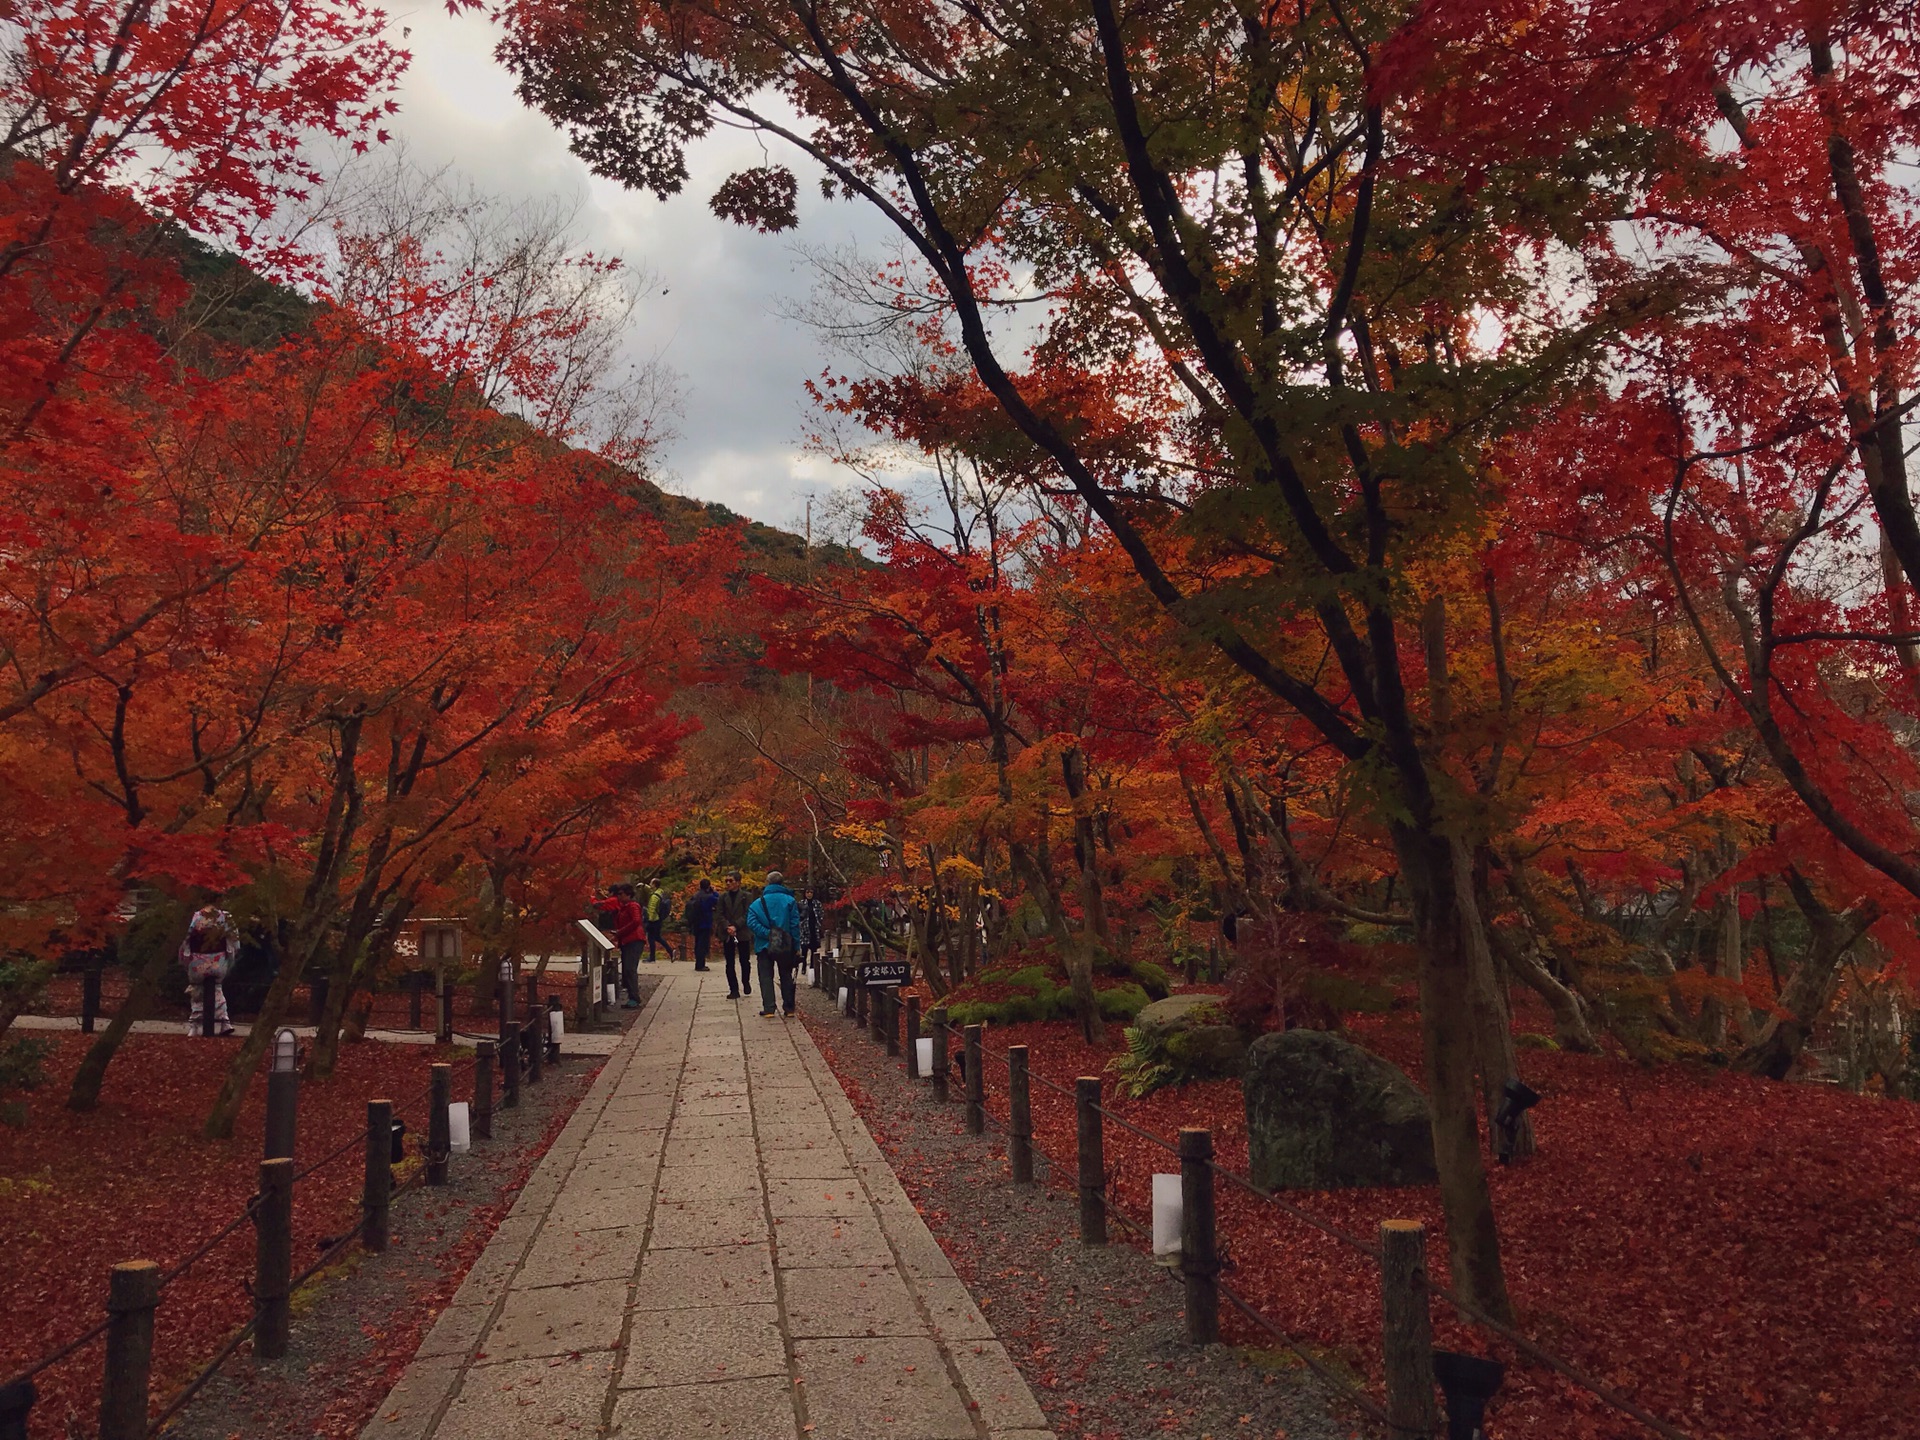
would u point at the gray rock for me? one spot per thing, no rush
(1324, 1114)
(1180, 1012)
(1193, 1031)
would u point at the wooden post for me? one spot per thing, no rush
(376, 1191)
(1406, 1326)
(439, 1126)
(533, 1040)
(937, 1023)
(133, 1293)
(317, 999)
(890, 1021)
(89, 1012)
(207, 1026)
(283, 1113)
(443, 1008)
(913, 1037)
(509, 1071)
(16, 1404)
(1019, 1116)
(273, 1260)
(533, 992)
(1092, 1152)
(976, 1091)
(1199, 1262)
(416, 988)
(482, 1119)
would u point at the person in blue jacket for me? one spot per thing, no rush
(699, 922)
(774, 920)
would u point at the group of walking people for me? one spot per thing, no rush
(775, 927)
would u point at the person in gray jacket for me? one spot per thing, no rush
(736, 940)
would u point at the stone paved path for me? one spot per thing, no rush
(713, 1247)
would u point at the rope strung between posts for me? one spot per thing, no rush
(1341, 1388)
(357, 1141)
(208, 1246)
(1567, 1371)
(79, 1342)
(199, 1382)
(333, 1251)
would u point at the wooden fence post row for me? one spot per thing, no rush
(937, 1023)
(273, 1260)
(1199, 1255)
(1019, 1116)
(976, 1091)
(483, 1054)
(1092, 1152)
(133, 1292)
(376, 1195)
(1406, 1326)
(439, 1124)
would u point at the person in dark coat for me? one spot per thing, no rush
(735, 939)
(813, 925)
(699, 921)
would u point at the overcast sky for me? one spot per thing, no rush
(714, 316)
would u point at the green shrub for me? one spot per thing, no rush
(1144, 1066)
(1151, 978)
(23, 1062)
(1122, 1002)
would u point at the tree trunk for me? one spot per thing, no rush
(1499, 1060)
(318, 906)
(146, 969)
(84, 1094)
(1447, 1025)
(1810, 988)
(1571, 1028)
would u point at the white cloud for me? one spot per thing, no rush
(715, 314)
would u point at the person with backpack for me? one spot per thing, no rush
(659, 910)
(622, 914)
(775, 921)
(699, 921)
(207, 953)
(735, 938)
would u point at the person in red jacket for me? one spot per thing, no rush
(630, 934)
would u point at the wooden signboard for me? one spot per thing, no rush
(886, 972)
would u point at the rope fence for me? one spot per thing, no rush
(522, 1049)
(1407, 1288)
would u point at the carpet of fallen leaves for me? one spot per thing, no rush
(1740, 1257)
(135, 1180)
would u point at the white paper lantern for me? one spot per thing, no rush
(459, 1137)
(923, 1050)
(844, 993)
(607, 993)
(557, 1025)
(1166, 1218)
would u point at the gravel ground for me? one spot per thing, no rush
(1096, 1331)
(357, 1325)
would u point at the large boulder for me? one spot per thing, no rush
(1192, 1031)
(1323, 1114)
